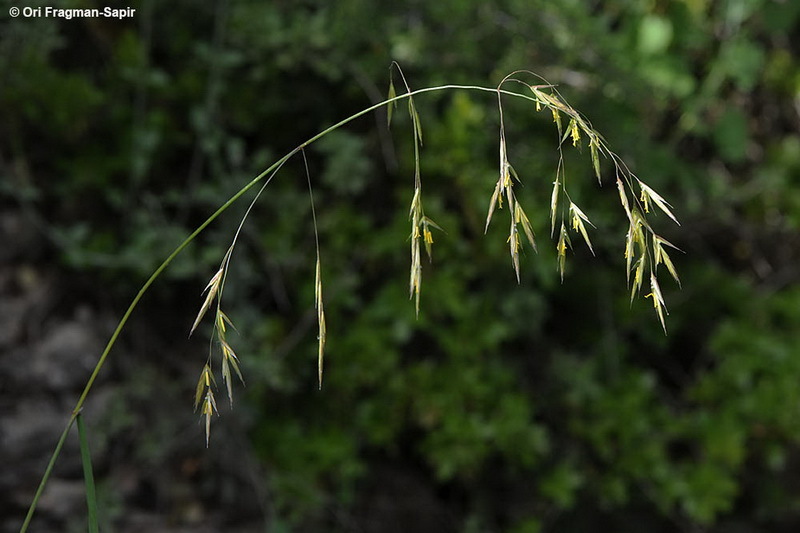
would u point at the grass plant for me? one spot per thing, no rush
(644, 249)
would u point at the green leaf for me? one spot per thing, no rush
(742, 60)
(88, 476)
(731, 135)
(655, 35)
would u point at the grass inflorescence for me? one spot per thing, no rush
(644, 250)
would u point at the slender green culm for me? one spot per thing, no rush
(88, 475)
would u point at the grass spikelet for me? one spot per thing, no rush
(205, 394)
(392, 94)
(205, 382)
(661, 256)
(212, 289)
(229, 360)
(503, 185)
(229, 357)
(554, 205)
(623, 198)
(496, 197)
(561, 248)
(574, 132)
(578, 219)
(417, 123)
(322, 331)
(415, 281)
(514, 245)
(557, 119)
(208, 409)
(594, 148)
(638, 277)
(658, 301)
(630, 250)
(649, 194)
(427, 234)
(421, 226)
(521, 218)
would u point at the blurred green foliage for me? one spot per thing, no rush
(538, 407)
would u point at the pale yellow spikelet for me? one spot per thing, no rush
(392, 94)
(212, 288)
(204, 397)
(594, 148)
(557, 119)
(578, 219)
(229, 360)
(554, 205)
(638, 277)
(649, 194)
(415, 278)
(623, 198)
(427, 235)
(415, 203)
(504, 166)
(514, 245)
(658, 301)
(322, 338)
(521, 218)
(630, 250)
(575, 133)
(496, 197)
(209, 408)
(205, 381)
(661, 256)
(322, 333)
(561, 248)
(427, 240)
(317, 284)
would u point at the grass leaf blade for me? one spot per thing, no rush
(88, 476)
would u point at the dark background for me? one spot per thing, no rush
(537, 407)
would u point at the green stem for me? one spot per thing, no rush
(123, 321)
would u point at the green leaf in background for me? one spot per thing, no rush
(742, 59)
(655, 35)
(731, 136)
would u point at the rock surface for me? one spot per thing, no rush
(151, 467)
